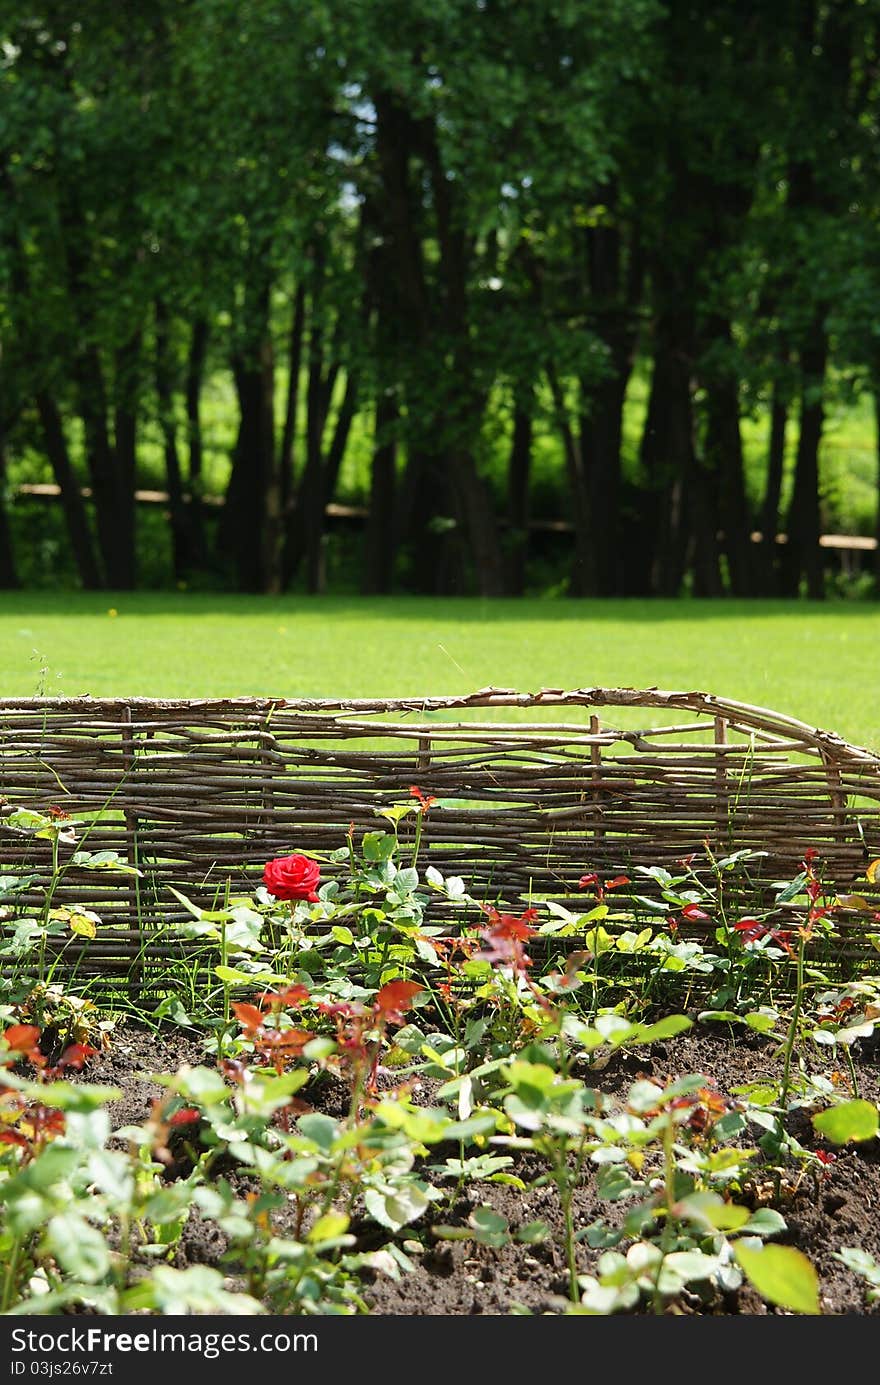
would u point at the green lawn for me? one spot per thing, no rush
(817, 662)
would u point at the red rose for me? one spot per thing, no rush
(292, 877)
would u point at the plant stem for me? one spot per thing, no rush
(11, 1276)
(574, 1287)
(669, 1200)
(418, 840)
(852, 1070)
(224, 954)
(795, 1021)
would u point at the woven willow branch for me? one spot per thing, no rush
(198, 792)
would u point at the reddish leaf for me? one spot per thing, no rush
(783, 937)
(45, 1118)
(396, 997)
(188, 1115)
(690, 911)
(617, 882)
(248, 1016)
(75, 1056)
(293, 995)
(288, 1040)
(425, 800)
(234, 1069)
(587, 880)
(12, 1137)
(21, 1038)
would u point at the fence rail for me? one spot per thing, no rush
(532, 790)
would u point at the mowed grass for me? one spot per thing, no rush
(818, 662)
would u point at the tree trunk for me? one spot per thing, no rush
(378, 569)
(461, 403)
(249, 500)
(8, 573)
(341, 433)
(72, 503)
(425, 523)
(803, 555)
(180, 535)
(876, 393)
(251, 527)
(668, 453)
(433, 538)
(125, 452)
(294, 367)
(615, 293)
(578, 490)
(103, 472)
(518, 473)
(306, 532)
(773, 492)
(723, 457)
(195, 371)
(114, 523)
(702, 512)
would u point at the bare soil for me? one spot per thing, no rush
(461, 1278)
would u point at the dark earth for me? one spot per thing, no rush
(460, 1278)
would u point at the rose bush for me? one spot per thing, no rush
(292, 877)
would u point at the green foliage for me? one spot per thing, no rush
(627, 229)
(394, 980)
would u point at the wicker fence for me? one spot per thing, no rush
(533, 791)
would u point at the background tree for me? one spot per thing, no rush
(473, 264)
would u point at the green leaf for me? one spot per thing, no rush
(234, 976)
(533, 1232)
(378, 846)
(782, 1275)
(198, 1289)
(201, 1085)
(860, 1262)
(683, 1267)
(203, 915)
(708, 1209)
(761, 1020)
(328, 1227)
(666, 1028)
(793, 889)
(850, 1121)
(321, 1129)
(405, 1203)
(656, 906)
(490, 1227)
(103, 860)
(745, 854)
(655, 873)
(84, 925)
(78, 1247)
(397, 811)
(65, 1096)
(766, 1221)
